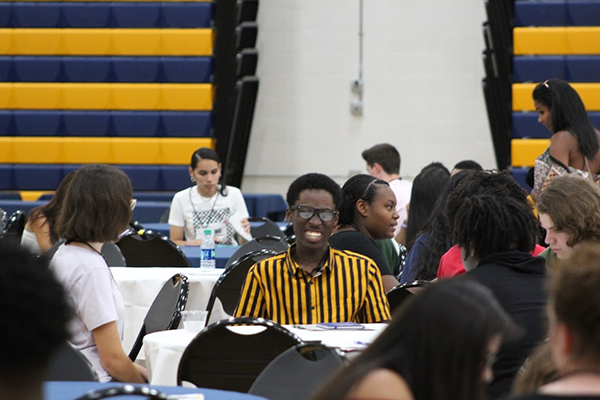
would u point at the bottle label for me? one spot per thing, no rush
(207, 254)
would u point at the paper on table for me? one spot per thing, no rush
(190, 396)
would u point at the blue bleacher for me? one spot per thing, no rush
(105, 69)
(569, 68)
(519, 174)
(105, 123)
(158, 178)
(557, 13)
(525, 125)
(105, 14)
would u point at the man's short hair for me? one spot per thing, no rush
(314, 181)
(34, 314)
(385, 155)
(468, 164)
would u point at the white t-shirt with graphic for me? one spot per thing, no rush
(221, 214)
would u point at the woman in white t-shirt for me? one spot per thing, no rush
(96, 209)
(208, 205)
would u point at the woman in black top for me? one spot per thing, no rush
(367, 213)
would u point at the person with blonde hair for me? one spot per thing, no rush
(574, 327)
(569, 211)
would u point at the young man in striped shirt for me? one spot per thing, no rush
(312, 282)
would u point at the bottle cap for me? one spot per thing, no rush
(207, 231)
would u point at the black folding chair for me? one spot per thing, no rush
(165, 312)
(297, 372)
(149, 249)
(125, 390)
(68, 364)
(13, 229)
(398, 294)
(267, 228)
(229, 285)
(274, 243)
(221, 358)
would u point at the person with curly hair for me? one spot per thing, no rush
(35, 313)
(496, 235)
(574, 327)
(569, 211)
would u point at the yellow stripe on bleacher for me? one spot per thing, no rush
(106, 42)
(556, 40)
(525, 151)
(106, 96)
(83, 150)
(522, 95)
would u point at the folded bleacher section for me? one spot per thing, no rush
(124, 83)
(552, 39)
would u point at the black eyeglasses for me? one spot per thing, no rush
(307, 212)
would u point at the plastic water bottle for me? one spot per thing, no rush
(207, 251)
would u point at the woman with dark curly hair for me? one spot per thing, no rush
(575, 143)
(569, 211)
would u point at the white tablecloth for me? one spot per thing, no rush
(164, 349)
(139, 287)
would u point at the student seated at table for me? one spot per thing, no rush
(439, 346)
(208, 205)
(312, 282)
(574, 327)
(97, 209)
(496, 235)
(34, 314)
(40, 228)
(368, 212)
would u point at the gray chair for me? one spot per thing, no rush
(165, 312)
(297, 372)
(219, 358)
(68, 364)
(400, 293)
(149, 249)
(260, 226)
(13, 229)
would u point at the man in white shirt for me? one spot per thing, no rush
(383, 162)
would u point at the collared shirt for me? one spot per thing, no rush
(348, 288)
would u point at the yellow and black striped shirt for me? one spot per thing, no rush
(348, 289)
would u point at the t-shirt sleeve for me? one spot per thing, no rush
(176, 217)
(95, 304)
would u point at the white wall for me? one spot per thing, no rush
(422, 74)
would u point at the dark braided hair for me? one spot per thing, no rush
(359, 187)
(486, 224)
(493, 183)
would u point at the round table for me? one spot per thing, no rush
(164, 349)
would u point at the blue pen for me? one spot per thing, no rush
(361, 343)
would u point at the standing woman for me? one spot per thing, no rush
(208, 205)
(575, 143)
(96, 209)
(40, 229)
(367, 213)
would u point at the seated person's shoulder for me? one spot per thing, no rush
(382, 384)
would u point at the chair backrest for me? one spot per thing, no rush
(13, 230)
(68, 364)
(297, 372)
(165, 312)
(229, 285)
(221, 358)
(125, 390)
(274, 243)
(398, 294)
(112, 255)
(260, 226)
(151, 250)
(3, 219)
